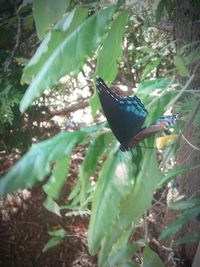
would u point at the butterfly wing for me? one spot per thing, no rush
(125, 115)
(162, 123)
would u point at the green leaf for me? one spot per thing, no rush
(160, 10)
(113, 243)
(52, 243)
(124, 255)
(95, 150)
(95, 104)
(194, 237)
(146, 87)
(26, 4)
(69, 55)
(132, 204)
(58, 236)
(183, 219)
(129, 263)
(169, 6)
(184, 204)
(72, 20)
(75, 192)
(46, 12)
(121, 251)
(58, 178)
(150, 67)
(157, 106)
(151, 259)
(59, 232)
(146, 182)
(120, 185)
(193, 56)
(112, 49)
(113, 184)
(181, 66)
(53, 39)
(35, 165)
(171, 174)
(52, 206)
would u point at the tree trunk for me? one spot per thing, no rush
(187, 31)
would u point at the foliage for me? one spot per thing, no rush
(74, 49)
(57, 237)
(36, 164)
(126, 181)
(9, 97)
(164, 7)
(190, 212)
(107, 60)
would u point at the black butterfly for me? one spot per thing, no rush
(126, 116)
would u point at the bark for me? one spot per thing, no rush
(186, 31)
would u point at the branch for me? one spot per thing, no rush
(74, 107)
(164, 26)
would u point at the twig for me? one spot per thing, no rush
(166, 26)
(4, 145)
(186, 85)
(194, 113)
(187, 141)
(161, 246)
(9, 59)
(145, 228)
(196, 167)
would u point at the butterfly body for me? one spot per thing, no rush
(126, 116)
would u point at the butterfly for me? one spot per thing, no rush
(126, 116)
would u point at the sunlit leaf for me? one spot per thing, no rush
(112, 49)
(146, 182)
(46, 12)
(117, 190)
(72, 20)
(58, 232)
(51, 206)
(69, 55)
(94, 104)
(113, 184)
(57, 236)
(181, 66)
(52, 243)
(129, 213)
(148, 86)
(75, 192)
(52, 40)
